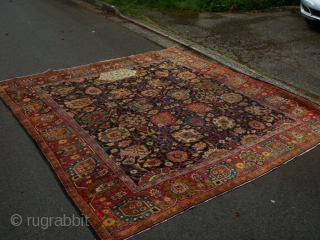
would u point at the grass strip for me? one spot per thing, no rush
(128, 6)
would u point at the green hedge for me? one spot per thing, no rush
(203, 5)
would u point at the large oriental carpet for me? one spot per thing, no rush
(137, 140)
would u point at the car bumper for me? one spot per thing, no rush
(310, 9)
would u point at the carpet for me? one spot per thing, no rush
(137, 140)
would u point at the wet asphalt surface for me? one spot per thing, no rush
(53, 34)
(277, 43)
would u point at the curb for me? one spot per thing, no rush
(203, 51)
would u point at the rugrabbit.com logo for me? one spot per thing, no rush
(46, 222)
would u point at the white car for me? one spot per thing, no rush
(310, 10)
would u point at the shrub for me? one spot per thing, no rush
(203, 5)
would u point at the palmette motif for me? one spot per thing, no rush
(139, 139)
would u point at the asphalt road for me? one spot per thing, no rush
(52, 34)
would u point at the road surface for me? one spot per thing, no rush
(53, 34)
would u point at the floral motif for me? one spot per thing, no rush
(198, 107)
(88, 109)
(177, 156)
(213, 153)
(163, 119)
(93, 91)
(155, 83)
(274, 100)
(197, 177)
(200, 146)
(114, 134)
(179, 94)
(64, 90)
(179, 189)
(253, 90)
(223, 122)
(186, 75)
(57, 133)
(53, 78)
(276, 146)
(126, 63)
(299, 136)
(78, 103)
(133, 209)
(154, 175)
(315, 126)
(198, 64)
(239, 130)
(94, 117)
(155, 193)
(45, 118)
(101, 187)
(131, 120)
(108, 222)
(257, 125)
(235, 81)
(120, 93)
(141, 105)
(231, 97)
(150, 93)
(194, 121)
(70, 148)
(208, 84)
(248, 138)
(135, 151)
(151, 163)
(220, 173)
(161, 73)
(257, 110)
(251, 158)
(298, 111)
(84, 167)
(268, 118)
(187, 135)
